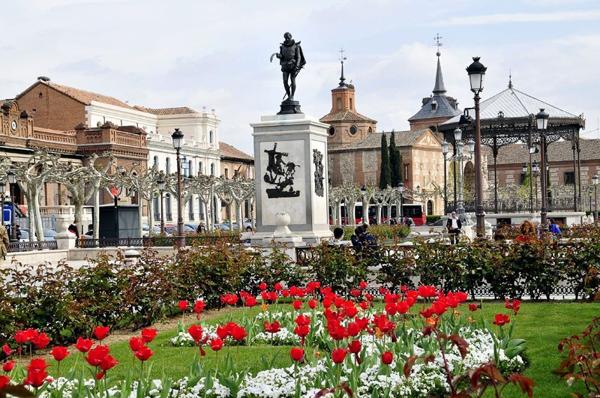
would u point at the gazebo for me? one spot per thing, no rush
(509, 117)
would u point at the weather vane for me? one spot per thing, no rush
(438, 43)
(342, 57)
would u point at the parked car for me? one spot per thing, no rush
(49, 234)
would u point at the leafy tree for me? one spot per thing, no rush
(395, 162)
(385, 176)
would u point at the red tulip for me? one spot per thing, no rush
(312, 304)
(149, 334)
(108, 362)
(8, 366)
(355, 292)
(59, 353)
(36, 372)
(262, 286)
(277, 286)
(297, 304)
(135, 343)
(338, 355)
(199, 306)
(355, 346)
(144, 353)
(216, 344)
(6, 350)
(250, 301)
(272, 327)
(4, 381)
(514, 305)
(196, 332)
(387, 357)
(97, 354)
(229, 299)
(302, 330)
(362, 285)
(297, 354)
(83, 345)
(100, 332)
(501, 319)
(427, 291)
(25, 336)
(183, 305)
(238, 333)
(41, 341)
(473, 307)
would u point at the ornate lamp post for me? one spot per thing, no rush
(535, 171)
(595, 180)
(161, 183)
(177, 137)
(476, 72)
(12, 179)
(445, 153)
(541, 120)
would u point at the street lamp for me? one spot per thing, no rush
(445, 146)
(12, 179)
(595, 180)
(541, 120)
(161, 187)
(177, 137)
(535, 171)
(476, 73)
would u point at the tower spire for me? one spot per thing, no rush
(342, 78)
(439, 87)
(510, 85)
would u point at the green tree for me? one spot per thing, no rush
(385, 176)
(395, 162)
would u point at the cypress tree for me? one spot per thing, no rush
(396, 176)
(385, 176)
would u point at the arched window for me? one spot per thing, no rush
(190, 168)
(211, 136)
(168, 166)
(212, 169)
(339, 104)
(155, 161)
(200, 170)
(429, 207)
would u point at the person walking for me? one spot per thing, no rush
(554, 228)
(454, 226)
(4, 241)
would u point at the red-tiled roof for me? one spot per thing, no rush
(85, 97)
(230, 151)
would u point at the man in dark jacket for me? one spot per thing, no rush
(453, 225)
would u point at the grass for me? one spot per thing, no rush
(542, 325)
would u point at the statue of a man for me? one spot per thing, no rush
(291, 60)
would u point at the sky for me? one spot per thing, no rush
(215, 54)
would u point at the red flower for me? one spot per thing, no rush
(144, 353)
(297, 304)
(427, 291)
(277, 286)
(302, 330)
(8, 366)
(6, 350)
(196, 332)
(312, 304)
(25, 336)
(183, 305)
(100, 332)
(149, 334)
(97, 354)
(229, 299)
(362, 285)
(354, 346)
(250, 301)
(262, 286)
(59, 353)
(135, 343)
(83, 345)
(501, 319)
(355, 292)
(36, 372)
(216, 344)
(338, 355)
(297, 354)
(272, 327)
(387, 357)
(402, 307)
(4, 381)
(473, 307)
(108, 362)
(41, 341)
(514, 305)
(238, 333)
(199, 306)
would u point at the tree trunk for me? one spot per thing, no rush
(39, 227)
(78, 215)
(238, 214)
(140, 219)
(150, 215)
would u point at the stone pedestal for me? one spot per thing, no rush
(290, 159)
(65, 240)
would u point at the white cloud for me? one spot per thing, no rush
(559, 16)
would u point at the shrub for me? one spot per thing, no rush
(432, 219)
(336, 266)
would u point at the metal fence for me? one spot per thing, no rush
(14, 247)
(158, 241)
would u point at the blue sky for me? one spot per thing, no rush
(215, 54)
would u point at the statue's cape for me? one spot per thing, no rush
(302, 60)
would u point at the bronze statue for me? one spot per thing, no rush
(291, 59)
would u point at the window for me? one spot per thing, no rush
(353, 129)
(339, 104)
(522, 177)
(190, 168)
(156, 207)
(405, 174)
(569, 178)
(211, 136)
(370, 129)
(155, 161)
(168, 166)
(200, 168)
(169, 216)
(191, 208)
(226, 173)
(331, 131)
(351, 103)
(40, 94)
(433, 105)
(212, 169)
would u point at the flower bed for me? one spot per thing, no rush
(419, 343)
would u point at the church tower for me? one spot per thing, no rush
(346, 125)
(438, 107)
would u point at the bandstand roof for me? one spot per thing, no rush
(509, 117)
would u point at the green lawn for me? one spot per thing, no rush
(541, 324)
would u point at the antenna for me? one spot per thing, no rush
(438, 43)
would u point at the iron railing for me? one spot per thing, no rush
(158, 241)
(14, 247)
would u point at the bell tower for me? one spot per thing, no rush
(346, 124)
